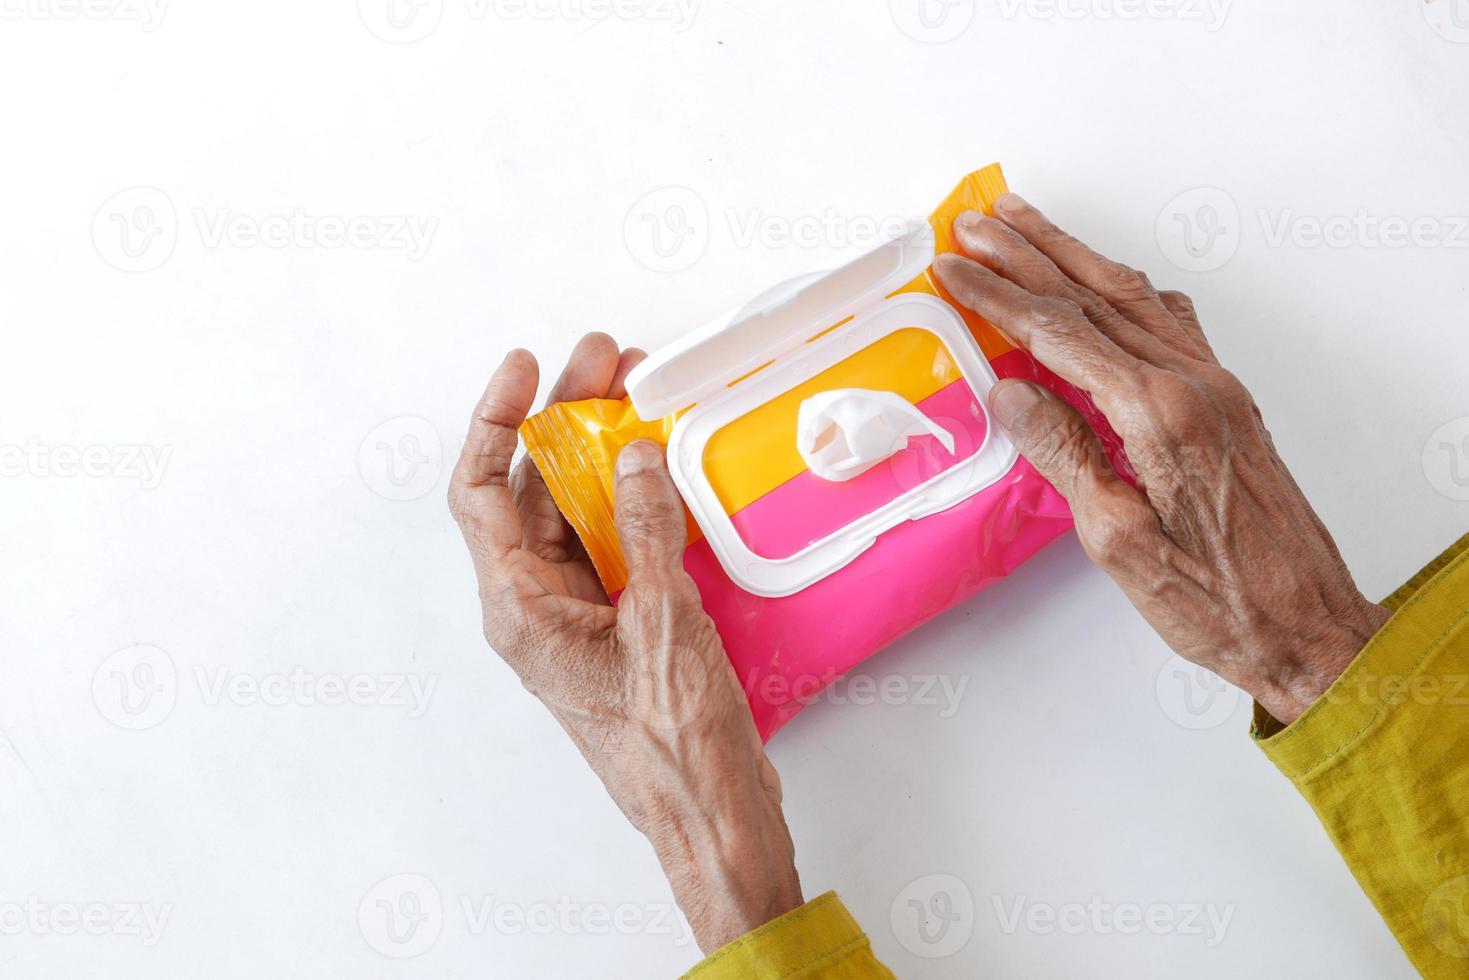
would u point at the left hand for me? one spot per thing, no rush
(644, 688)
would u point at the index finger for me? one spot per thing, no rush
(479, 490)
(1055, 331)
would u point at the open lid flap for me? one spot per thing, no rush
(772, 325)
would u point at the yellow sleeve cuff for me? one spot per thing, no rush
(818, 940)
(1395, 667)
(1383, 759)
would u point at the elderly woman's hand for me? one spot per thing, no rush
(1216, 545)
(643, 688)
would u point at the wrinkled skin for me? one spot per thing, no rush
(1216, 545)
(644, 688)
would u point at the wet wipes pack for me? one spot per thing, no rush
(832, 446)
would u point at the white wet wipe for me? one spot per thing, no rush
(845, 432)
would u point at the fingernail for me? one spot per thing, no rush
(639, 457)
(948, 264)
(969, 221)
(1012, 399)
(976, 233)
(1009, 201)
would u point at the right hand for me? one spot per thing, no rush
(1216, 545)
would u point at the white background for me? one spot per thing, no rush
(1068, 772)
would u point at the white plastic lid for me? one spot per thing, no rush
(772, 350)
(776, 322)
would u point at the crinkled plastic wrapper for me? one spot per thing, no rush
(806, 576)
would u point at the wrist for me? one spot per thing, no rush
(727, 854)
(1297, 677)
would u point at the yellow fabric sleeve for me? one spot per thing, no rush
(1383, 758)
(818, 941)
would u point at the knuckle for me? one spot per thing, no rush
(1234, 399)
(1127, 283)
(498, 412)
(1224, 384)
(1048, 233)
(1061, 317)
(1094, 307)
(643, 516)
(1005, 248)
(647, 526)
(1010, 250)
(1171, 393)
(1057, 438)
(1171, 409)
(1223, 392)
(1176, 300)
(1194, 411)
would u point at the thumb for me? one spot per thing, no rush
(648, 511)
(1052, 436)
